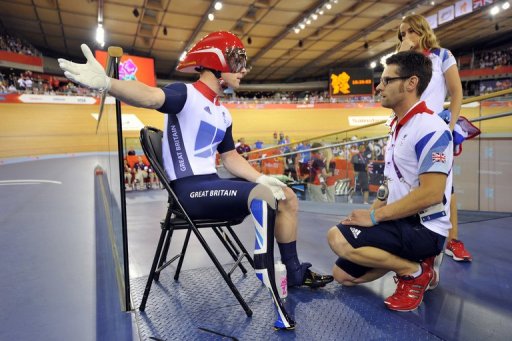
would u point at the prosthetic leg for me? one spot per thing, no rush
(264, 219)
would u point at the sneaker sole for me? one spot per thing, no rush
(458, 259)
(318, 281)
(402, 310)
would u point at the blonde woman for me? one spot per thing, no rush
(416, 34)
(329, 168)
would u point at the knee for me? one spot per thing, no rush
(291, 204)
(335, 239)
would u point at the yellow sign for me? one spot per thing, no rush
(348, 82)
(340, 84)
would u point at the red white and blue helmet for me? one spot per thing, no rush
(220, 51)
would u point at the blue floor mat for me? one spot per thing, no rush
(201, 306)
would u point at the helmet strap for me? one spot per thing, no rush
(216, 73)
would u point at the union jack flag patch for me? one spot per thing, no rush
(438, 157)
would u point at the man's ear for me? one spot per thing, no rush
(412, 83)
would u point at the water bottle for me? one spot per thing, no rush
(281, 279)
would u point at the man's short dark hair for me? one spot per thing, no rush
(412, 63)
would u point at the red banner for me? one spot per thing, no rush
(132, 67)
(505, 70)
(20, 58)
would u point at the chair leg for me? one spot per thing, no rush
(228, 244)
(219, 267)
(163, 255)
(153, 269)
(182, 257)
(165, 225)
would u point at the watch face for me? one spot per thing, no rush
(382, 193)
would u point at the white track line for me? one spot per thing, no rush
(28, 182)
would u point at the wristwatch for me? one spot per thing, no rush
(383, 192)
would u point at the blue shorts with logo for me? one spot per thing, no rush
(210, 197)
(405, 238)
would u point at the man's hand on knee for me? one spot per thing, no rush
(274, 184)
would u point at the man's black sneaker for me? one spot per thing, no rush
(314, 280)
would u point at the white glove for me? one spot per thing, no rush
(91, 74)
(274, 184)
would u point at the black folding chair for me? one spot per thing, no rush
(178, 219)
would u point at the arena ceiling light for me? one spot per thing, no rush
(218, 5)
(313, 15)
(100, 35)
(100, 31)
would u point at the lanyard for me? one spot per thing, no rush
(397, 171)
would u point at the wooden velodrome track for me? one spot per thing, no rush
(29, 130)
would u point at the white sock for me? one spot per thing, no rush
(417, 273)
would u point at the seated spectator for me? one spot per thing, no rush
(131, 151)
(128, 175)
(11, 89)
(143, 172)
(243, 148)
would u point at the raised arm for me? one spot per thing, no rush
(92, 75)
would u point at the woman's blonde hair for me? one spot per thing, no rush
(327, 154)
(420, 25)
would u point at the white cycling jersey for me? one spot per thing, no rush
(192, 135)
(435, 93)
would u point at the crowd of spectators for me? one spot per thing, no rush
(495, 59)
(17, 45)
(294, 97)
(28, 82)
(19, 81)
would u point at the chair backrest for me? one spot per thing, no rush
(151, 142)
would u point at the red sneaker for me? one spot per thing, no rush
(455, 248)
(434, 263)
(409, 290)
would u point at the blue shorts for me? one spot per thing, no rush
(210, 197)
(405, 238)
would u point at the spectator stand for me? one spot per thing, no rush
(142, 177)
